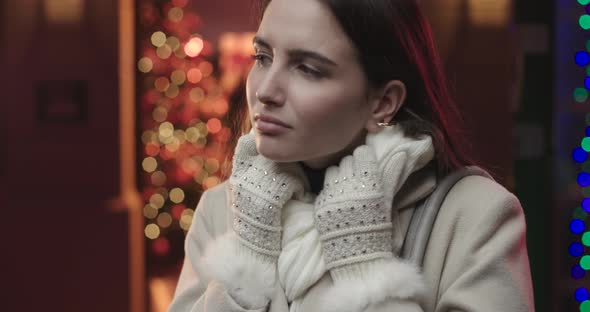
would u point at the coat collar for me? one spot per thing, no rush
(417, 187)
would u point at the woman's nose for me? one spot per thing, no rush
(271, 91)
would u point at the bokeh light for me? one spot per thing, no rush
(150, 211)
(583, 179)
(152, 231)
(193, 47)
(579, 155)
(582, 294)
(581, 94)
(145, 64)
(194, 75)
(178, 77)
(157, 201)
(158, 39)
(164, 220)
(175, 14)
(177, 195)
(149, 164)
(214, 126)
(158, 178)
(582, 58)
(576, 249)
(584, 21)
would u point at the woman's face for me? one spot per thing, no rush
(307, 76)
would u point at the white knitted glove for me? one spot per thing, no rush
(352, 216)
(260, 188)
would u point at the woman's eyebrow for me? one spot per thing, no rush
(296, 53)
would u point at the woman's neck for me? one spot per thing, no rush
(315, 177)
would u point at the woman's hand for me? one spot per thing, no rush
(260, 187)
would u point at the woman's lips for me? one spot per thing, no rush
(270, 125)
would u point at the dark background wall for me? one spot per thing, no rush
(64, 250)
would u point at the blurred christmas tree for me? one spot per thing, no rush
(183, 85)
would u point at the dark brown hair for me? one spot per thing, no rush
(394, 42)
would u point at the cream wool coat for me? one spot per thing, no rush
(476, 259)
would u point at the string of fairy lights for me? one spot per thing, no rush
(577, 225)
(182, 104)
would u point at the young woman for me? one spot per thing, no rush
(353, 126)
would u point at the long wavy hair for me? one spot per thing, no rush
(394, 41)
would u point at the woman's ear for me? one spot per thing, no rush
(386, 103)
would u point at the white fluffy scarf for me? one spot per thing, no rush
(300, 264)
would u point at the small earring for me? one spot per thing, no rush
(386, 124)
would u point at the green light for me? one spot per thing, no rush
(581, 94)
(583, 2)
(585, 262)
(585, 306)
(579, 213)
(585, 21)
(586, 144)
(586, 239)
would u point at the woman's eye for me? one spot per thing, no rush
(310, 71)
(260, 58)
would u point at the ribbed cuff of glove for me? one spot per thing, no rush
(258, 198)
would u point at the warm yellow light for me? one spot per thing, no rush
(489, 12)
(164, 220)
(194, 75)
(152, 231)
(145, 64)
(202, 127)
(180, 53)
(64, 11)
(179, 135)
(157, 200)
(174, 145)
(192, 134)
(164, 52)
(201, 142)
(186, 220)
(177, 195)
(212, 165)
(162, 84)
(149, 211)
(210, 182)
(193, 47)
(196, 94)
(148, 136)
(162, 191)
(178, 77)
(160, 114)
(166, 129)
(149, 164)
(206, 68)
(175, 14)
(173, 43)
(201, 176)
(158, 39)
(158, 178)
(172, 91)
